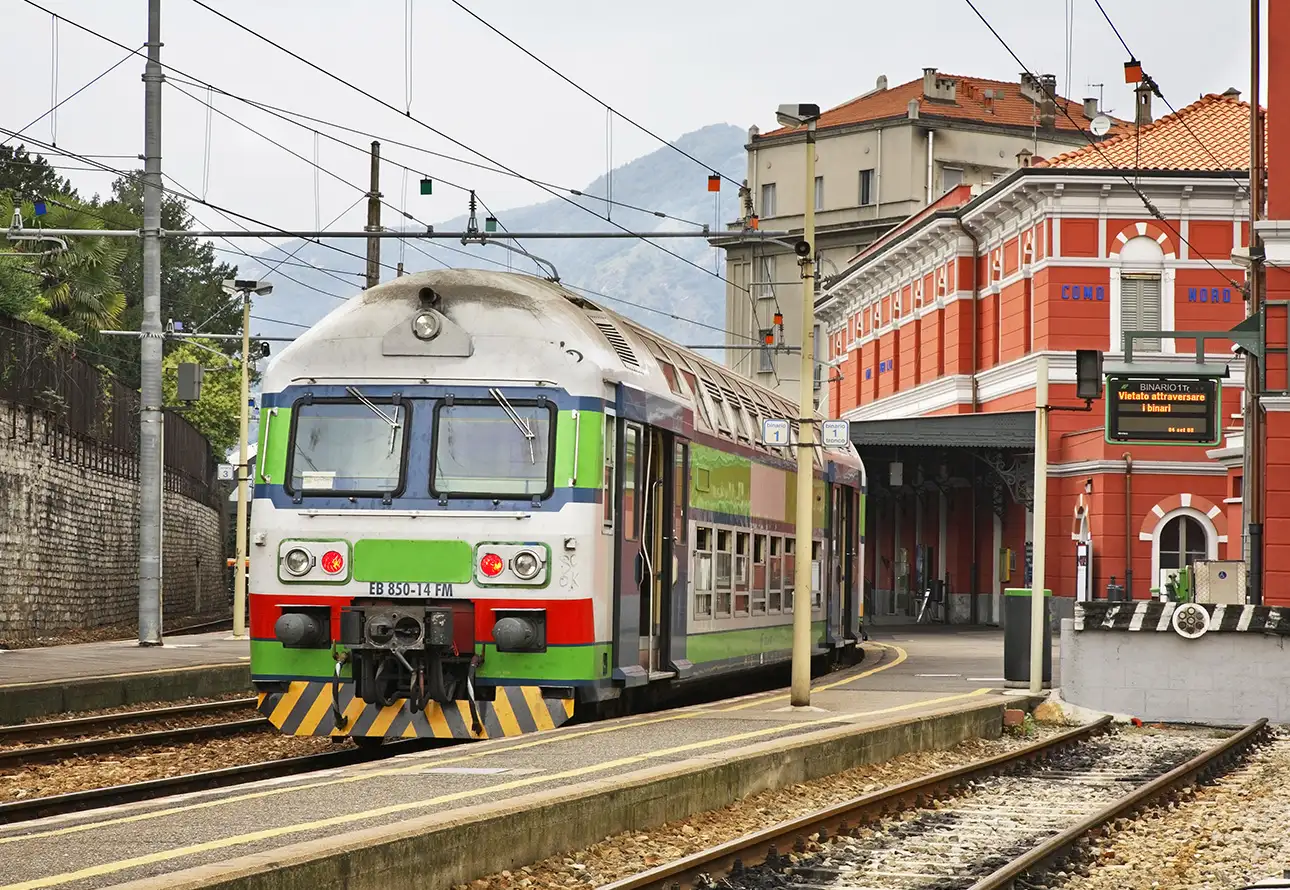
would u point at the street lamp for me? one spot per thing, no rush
(243, 287)
(797, 116)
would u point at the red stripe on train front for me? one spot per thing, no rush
(569, 622)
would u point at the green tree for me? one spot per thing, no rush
(78, 284)
(191, 279)
(215, 414)
(28, 177)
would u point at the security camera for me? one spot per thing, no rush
(802, 248)
(1238, 349)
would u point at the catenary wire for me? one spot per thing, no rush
(1155, 88)
(1154, 211)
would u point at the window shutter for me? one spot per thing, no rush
(1140, 309)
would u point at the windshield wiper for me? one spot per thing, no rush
(520, 423)
(394, 424)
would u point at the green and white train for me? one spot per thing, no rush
(482, 501)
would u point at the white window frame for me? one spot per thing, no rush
(860, 189)
(1167, 294)
(768, 191)
(945, 168)
(818, 192)
(1212, 537)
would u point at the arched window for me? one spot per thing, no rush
(1141, 301)
(1183, 540)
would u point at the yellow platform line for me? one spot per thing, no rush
(120, 865)
(901, 655)
(437, 721)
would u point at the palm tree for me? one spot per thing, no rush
(78, 283)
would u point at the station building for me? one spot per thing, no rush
(933, 335)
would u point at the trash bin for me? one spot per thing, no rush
(1016, 638)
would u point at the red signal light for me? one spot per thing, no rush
(491, 565)
(333, 561)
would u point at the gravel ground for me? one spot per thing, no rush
(123, 631)
(1227, 835)
(153, 762)
(138, 706)
(136, 726)
(621, 855)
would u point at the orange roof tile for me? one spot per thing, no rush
(1222, 121)
(1009, 108)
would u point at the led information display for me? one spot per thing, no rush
(1166, 411)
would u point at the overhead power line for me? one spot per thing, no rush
(73, 95)
(1155, 88)
(644, 129)
(1151, 208)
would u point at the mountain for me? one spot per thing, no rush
(636, 276)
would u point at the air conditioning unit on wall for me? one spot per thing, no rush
(1220, 581)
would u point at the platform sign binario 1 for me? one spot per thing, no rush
(1163, 410)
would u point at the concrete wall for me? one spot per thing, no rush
(69, 538)
(1221, 678)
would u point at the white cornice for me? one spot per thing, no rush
(1144, 467)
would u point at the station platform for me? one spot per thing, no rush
(443, 817)
(87, 676)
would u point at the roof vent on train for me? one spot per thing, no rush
(615, 338)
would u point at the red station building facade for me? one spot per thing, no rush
(934, 334)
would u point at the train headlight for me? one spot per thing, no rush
(426, 326)
(526, 565)
(491, 565)
(333, 562)
(298, 561)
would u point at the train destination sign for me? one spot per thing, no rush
(1163, 411)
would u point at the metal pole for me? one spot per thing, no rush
(801, 688)
(1040, 527)
(239, 580)
(151, 416)
(1252, 472)
(374, 219)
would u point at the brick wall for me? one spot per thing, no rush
(69, 534)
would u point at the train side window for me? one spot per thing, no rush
(759, 575)
(679, 478)
(790, 572)
(817, 574)
(611, 445)
(631, 438)
(742, 555)
(724, 573)
(776, 572)
(702, 572)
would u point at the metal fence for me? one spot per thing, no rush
(92, 420)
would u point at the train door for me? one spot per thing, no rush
(630, 556)
(658, 568)
(849, 527)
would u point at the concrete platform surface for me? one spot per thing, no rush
(612, 775)
(87, 676)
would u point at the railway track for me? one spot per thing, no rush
(35, 741)
(997, 823)
(56, 805)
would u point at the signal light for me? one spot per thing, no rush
(491, 565)
(1132, 71)
(714, 182)
(333, 562)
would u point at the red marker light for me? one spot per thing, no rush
(491, 565)
(333, 561)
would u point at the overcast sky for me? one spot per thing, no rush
(673, 65)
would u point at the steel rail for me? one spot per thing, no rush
(15, 756)
(768, 843)
(1204, 765)
(115, 795)
(52, 729)
(702, 869)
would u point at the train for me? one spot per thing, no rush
(484, 505)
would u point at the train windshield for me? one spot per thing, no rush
(352, 447)
(495, 449)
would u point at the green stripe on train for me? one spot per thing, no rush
(721, 645)
(587, 443)
(382, 559)
(557, 663)
(721, 482)
(269, 657)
